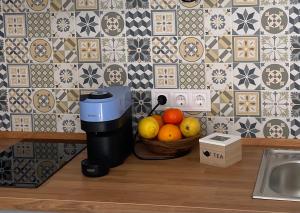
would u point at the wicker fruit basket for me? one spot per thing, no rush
(180, 147)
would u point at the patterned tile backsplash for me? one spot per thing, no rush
(246, 52)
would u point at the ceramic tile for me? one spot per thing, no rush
(245, 3)
(218, 49)
(164, 49)
(86, 4)
(114, 50)
(137, 4)
(276, 128)
(43, 101)
(139, 50)
(247, 103)
(87, 24)
(138, 23)
(246, 21)
(295, 48)
(16, 50)
(62, 5)
(112, 4)
(246, 49)
(246, 76)
(295, 128)
(64, 50)
(274, 20)
(275, 76)
(295, 104)
(115, 75)
(67, 101)
(248, 127)
(63, 24)
(40, 50)
(15, 25)
(295, 76)
(165, 76)
(44, 123)
(274, 2)
(190, 22)
(3, 100)
(294, 22)
(217, 3)
(11, 6)
(112, 23)
(5, 121)
(217, 21)
(191, 76)
(221, 103)
(219, 76)
(163, 4)
(42, 75)
(39, 25)
(140, 76)
(275, 104)
(164, 22)
(219, 124)
(21, 122)
(18, 75)
(38, 5)
(275, 48)
(191, 49)
(65, 75)
(1, 26)
(68, 123)
(141, 102)
(89, 50)
(20, 100)
(90, 75)
(3, 76)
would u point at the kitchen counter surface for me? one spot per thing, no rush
(180, 185)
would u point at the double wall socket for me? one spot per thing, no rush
(186, 100)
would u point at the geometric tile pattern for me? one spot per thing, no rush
(138, 23)
(42, 75)
(245, 52)
(39, 25)
(190, 22)
(191, 76)
(140, 76)
(44, 122)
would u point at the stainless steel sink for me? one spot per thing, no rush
(279, 176)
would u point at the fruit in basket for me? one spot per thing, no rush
(159, 120)
(169, 133)
(172, 116)
(148, 128)
(190, 127)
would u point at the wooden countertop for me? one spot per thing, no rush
(180, 185)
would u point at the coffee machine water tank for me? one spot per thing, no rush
(106, 118)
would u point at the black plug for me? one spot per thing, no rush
(161, 100)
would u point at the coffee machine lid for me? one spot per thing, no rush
(105, 104)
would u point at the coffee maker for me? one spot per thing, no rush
(106, 118)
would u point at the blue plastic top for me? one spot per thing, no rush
(107, 109)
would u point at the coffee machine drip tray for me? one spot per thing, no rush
(30, 163)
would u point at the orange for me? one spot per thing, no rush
(169, 133)
(159, 120)
(172, 116)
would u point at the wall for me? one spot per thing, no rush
(246, 52)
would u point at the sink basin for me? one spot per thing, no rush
(279, 176)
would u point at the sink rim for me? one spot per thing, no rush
(269, 161)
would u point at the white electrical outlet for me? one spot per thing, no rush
(187, 100)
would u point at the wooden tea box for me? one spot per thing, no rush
(220, 150)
